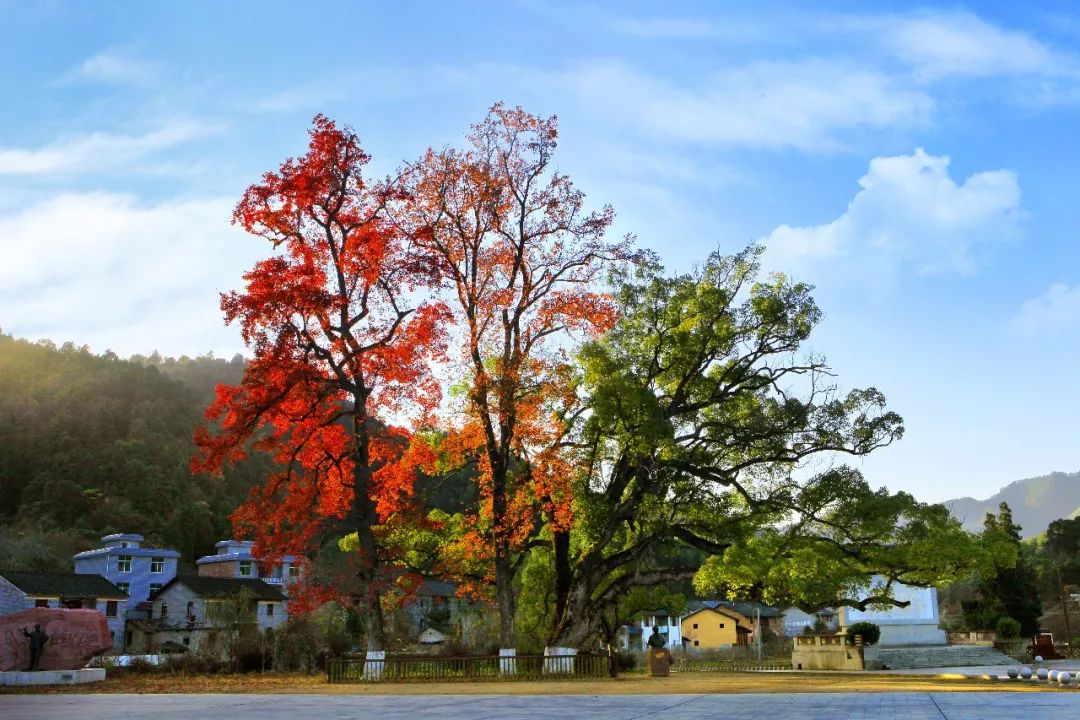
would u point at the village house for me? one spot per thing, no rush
(707, 625)
(21, 591)
(136, 570)
(236, 559)
(192, 609)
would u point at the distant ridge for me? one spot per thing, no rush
(1035, 502)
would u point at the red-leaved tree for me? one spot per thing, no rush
(343, 329)
(523, 258)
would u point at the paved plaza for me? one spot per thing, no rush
(809, 706)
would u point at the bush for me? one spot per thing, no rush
(626, 661)
(870, 632)
(1007, 628)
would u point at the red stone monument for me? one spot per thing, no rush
(75, 636)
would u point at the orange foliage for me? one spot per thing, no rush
(523, 259)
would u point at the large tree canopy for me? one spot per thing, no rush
(702, 414)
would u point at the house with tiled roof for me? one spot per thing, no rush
(24, 590)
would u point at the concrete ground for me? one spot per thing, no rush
(805, 706)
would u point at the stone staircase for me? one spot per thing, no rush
(928, 656)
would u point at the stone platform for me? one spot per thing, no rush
(52, 677)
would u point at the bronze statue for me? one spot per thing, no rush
(656, 640)
(38, 638)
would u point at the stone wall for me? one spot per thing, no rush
(825, 652)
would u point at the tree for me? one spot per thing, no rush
(342, 336)
(1010, 587)
(522, 257)
(701, 414)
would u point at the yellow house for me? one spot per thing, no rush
(712, 628)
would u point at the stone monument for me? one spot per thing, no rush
(61, 639)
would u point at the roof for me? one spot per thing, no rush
(215, 587)
(728, 612)
(120, 537)
(751, 609)
(117, 550)
(57, 584)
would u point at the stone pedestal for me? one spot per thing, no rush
(53, 677)
(508, 661)
(559, 660)
(659, 662)
(374, 663)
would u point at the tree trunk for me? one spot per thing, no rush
(563, 577)
(365, 520)
(504, 571)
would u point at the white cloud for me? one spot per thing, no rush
(105, 270)
(937, 45)
(98, 151)
(911, 212)
(114, 68)
(805, 104)
(1056, 310)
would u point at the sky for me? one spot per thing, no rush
(917, 164)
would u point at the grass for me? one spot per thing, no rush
(696, 683)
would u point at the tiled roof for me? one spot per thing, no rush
(58, 584)
(214, 587)
(750, 609)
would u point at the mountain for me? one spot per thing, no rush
(94, 444)
(1035, 502)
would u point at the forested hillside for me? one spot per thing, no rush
(93, 444)
(1036, 502)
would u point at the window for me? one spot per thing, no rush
(294, 571)
(187, 641)
(123, 587)
(110, 608)
(695, 626)
(164, 611)
(41, 602)
(123, 563)
(245, 568)
(695, 643)
(721, 626)
(154, 587)
(123, 544)
(157, 565)
(269, 609)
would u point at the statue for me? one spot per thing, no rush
(38, 638)
(656, 640)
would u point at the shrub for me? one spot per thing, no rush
(626, 661)
(1007, 628)
(870, 632)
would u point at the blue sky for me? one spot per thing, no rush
(917, 164)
